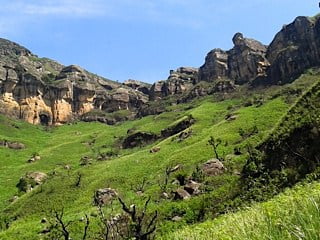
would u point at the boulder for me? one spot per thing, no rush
(139, 139)
(184, 135)
(31, 180)
(16, 145)
(85, 160)
(34, 158)
(177, 127)
(104, 196)
(155, 149)
(192, 187)
(213, 167)
(181, 194)
(176, 219)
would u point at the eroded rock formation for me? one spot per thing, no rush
(294, 49)
(43, 91)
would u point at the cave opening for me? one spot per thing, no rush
(44, 119)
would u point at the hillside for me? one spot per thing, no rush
(289, 154)
(84, 157)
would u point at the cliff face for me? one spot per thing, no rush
(43, 91)
(178, 82)
(294, 49)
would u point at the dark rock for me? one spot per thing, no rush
(139, 139)
(85, 160)
(184, 135)
(151, 109)
(138, 86)
(9, 48)
(34, 158)
(293, 50)
(181, 194)
(182, 80)
(213, 167)
(178, 82)
(247, 59)
(199, 90)
(16, 145)
(43, 220)
(31, 180)
(155, 149)
(104, 196)
(224, 86)
(159, 90)
(192, 187)
(183, 124)
(231, 117)
(215, 66)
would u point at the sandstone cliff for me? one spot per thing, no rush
(43, 91)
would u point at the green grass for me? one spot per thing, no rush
(294, 214)
(67, 144)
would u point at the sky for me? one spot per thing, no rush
(141, 39)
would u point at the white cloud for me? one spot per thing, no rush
(67, 8)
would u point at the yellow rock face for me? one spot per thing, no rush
(37, 110)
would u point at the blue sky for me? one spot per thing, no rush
(141, 39)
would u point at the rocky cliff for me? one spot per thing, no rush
(40, 90)
(43, 91)
(293, 50)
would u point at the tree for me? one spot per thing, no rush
(60, 228)
(141, 228)
(214, 143)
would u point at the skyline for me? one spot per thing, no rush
(123, 40)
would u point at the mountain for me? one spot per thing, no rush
(40, 90)
(85, 157)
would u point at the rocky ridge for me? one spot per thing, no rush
(43, 91)
(40, 90)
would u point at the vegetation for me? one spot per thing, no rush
(138, 174)
(295, 214)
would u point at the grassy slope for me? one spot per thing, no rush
(67, 144)
(294, 214)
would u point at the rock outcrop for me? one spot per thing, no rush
(104, 196)
(43, 91)
(138, 86)
(243, 63)
(293, 50)
(178, 82)
(247, 59)
(31, 180)
(213, 167)
(215, 66)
